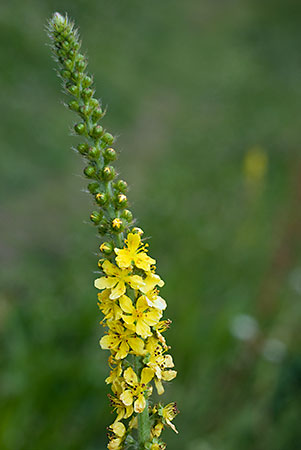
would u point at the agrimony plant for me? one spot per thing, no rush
(128, 284)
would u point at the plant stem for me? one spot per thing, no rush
(144, 427)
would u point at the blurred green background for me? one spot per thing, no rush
(205, 97)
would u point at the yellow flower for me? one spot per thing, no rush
(123, 411)
(116, 279)
(115, 444)
(150, 282)
(168, 413)
(159, 363)
(140, 315)
(157, 430)
(115, 374)
(118, 429)
(137, 389)
(108, 307)
(153, 299)
(134, 253)
(121, 340)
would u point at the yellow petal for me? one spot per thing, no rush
(118, 290)
(146, 375)
(135, 281)
(126, 304)
(169, 375)
(122, 351)
(151, 281)
(142, 329)
(143, 261)
(141, 304)
(105, 282)
(118, 428)
(152, 317)
(126, 397)
(159, 386)
(123, 259)
(137, 345)
(110, 269)
(129, 320)
(139, 404)
(129, 411)
(168, 362)
(134, 241)
(130, 377)
(106, 342)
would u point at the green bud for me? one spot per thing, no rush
(103, 228)
(137, 230)
(96, 217)
(83, 148)
(76, 76)
(69, 64)
(100, 262)
(108, 138)
(66, 45)
(74, 106)
(93, 152)
(72, 89)
(121, 186)
(121, 200)
(90, 171)
(94, 103)
(108, 173)
(106, 248)
(87, 93)
(97, 131)
(80, 63)
(109, 154)
(127, 215)
(93, 187)
(65, 74)
(84, 110)
(87, 81)
(101, 198)
(97, 114)
(80, 128)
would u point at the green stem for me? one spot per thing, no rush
(144, 427)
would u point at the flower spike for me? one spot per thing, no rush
(128, 286)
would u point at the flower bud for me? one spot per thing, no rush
(90, 171)
(109, 154)
(93, 187)
(100, 262)
(94, 103)
(97, 114)
(80, 65)
(101, 198)
(72, 89)
(93, 152)
(80, 128)
(69, 64)
(103, 228)
(108, 173)
(73, 105)
(83, 148)
(87, 81)
(117, 224)
(127, 215)
(121, 200)
(96, 217)
(66, 74)
(84, 111)
(108, 138)
(106, 248)
(121, 186)
(87, 93)
(97, 131)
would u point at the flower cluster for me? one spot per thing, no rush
(133, 309)
(129, 286)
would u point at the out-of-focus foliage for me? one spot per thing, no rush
(206, 99)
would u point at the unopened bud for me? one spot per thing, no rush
(108, 138)
(96, 217)
(101, 198)
(83, 148)
(93, 152)
(121, 186)
(109, 154)
(122, 200)
(97, 131)
(103, 228)
(74, 106)
(80, 128)
(137, 230)
(87, 81)
(127, 215)
(97, 114)
(106, 248)
(90, 171)
(93, 187)
(108, 173)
